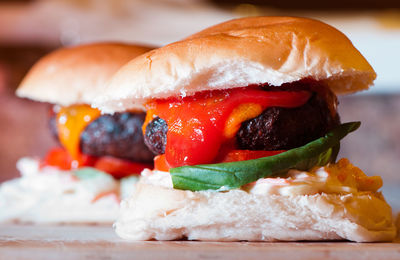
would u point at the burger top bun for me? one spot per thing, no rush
(238, 53)
(75, 75)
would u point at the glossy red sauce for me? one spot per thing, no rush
(196, 124)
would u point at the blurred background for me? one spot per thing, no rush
(31, 28)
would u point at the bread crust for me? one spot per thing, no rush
(238, 53)
(161, 213)
(76, 75)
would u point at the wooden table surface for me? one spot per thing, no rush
(100, 242)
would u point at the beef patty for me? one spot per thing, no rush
(119, 135)
(277, 128)
(155, 136)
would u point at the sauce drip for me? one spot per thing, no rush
(197, 124)
(71, 121)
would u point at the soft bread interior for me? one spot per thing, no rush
(161, 213)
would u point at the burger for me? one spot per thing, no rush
(243, 119)
(83, 179)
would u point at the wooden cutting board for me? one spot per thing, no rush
(100, 242)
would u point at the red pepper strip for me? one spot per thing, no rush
(120, 168)
(161, 164)
(59, 157)
(244, 155)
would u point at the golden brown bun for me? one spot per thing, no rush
(156, 212)
(238, 53)
(76, 75)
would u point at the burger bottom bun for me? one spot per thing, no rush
(155, 212)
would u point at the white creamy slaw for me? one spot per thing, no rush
(49, 195)
(339, 178)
